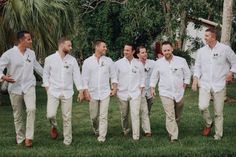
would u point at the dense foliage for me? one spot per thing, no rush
(116, 21)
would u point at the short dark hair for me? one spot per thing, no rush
(140, 47)
(167, 43)
(98, 41)
(212, 30)
(132, 45)
(62, 40)
(21, 34)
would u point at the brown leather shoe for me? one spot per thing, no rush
(174, 141)
(54, 133)
(96, 134)
(28, 142)
(148, 134)
(206, 131)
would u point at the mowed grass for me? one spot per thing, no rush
(191, 142)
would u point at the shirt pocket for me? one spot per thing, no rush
(29, 60)
(177, 71)
(135, 70)
(104, 68)
(219, 59)
(68, 68)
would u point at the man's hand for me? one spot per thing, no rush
(184, 85)
(46, 88)
(8, 78)
(152, 92)
(229, 76)
(195, 85)
(87, 95)
(142, 89)
(80, 97)
(113, 92)
(114, 89)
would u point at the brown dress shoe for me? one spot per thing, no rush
(28, 143)
(207, 130)
(54, 133)
(148, 134)
(174, 141)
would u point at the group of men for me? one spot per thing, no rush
(132, 80)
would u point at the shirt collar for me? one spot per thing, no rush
(95, 58)
(217, 44)
(18, 50)
(126, 60)
(66, 56)
(172, 59)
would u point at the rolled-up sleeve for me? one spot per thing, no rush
(85, 75)
(77, 76)
(187, 72)
(154, 76)
(231, 56)
(46, 74)
(197, 66)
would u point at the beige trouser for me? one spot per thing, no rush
(204, 102)
(173, 112)
(144, 114)
(134, 105)
(66, 107)
(98, 114)
(17, 105)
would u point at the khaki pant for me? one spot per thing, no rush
(145, 121)
(173, 112)
(17, 105)
(134, 106)
(204, 102)
(98, 114)
(66, 107)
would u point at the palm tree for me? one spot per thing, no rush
(47, 20)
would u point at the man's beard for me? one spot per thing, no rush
(168, 56)
(66, 52)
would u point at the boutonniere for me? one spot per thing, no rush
(146, 69)
(134, 70)
(102, 64)
(27, 59)
(174, 69)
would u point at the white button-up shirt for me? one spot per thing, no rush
(97, 75)
(148, 68)
(59, 75)
(21, 68)
(212, 65)
(131, 78)
(171, 77)
(0, 77)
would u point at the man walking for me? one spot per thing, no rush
(214, 67)
(146, 99)
(20, 62)
(97, 72)
(172, 74)
(131, 81)
(61, 70)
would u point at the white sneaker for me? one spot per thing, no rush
(101, 139)
(217, 137)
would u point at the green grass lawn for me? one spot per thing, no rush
(190, 143)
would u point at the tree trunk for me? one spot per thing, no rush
(227, 21)
(167, 10)
(182, 32)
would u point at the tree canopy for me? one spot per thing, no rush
(116, 21)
